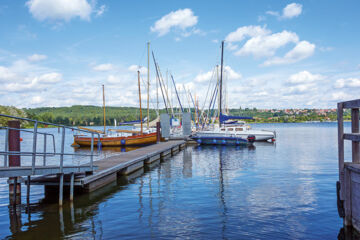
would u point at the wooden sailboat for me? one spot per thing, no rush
(119, 137)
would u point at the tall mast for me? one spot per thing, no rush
(148, 84)
(141, 123)
(103, 88)
(221, 78)
(217, 86)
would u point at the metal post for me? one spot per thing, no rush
(6, 147)
(92, 151)
(13, 160)
(62, 150)
(44, 158)
(355, 129)
(61, 189)
(34, 148)
(28, 190)
(72, 176)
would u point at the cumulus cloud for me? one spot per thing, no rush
(290, 11)
(266, 45)
(59, 9)
(103, 67)
(303, 77)
(181, 19)
(263, 43)
(302, 50)
(229, 73)
(37, 57)
(347, 83)
(247, 31)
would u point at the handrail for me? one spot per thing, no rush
(34, 152)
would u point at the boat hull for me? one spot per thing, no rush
(217, 140)
(143, 139)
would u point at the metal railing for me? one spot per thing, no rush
(6, 153)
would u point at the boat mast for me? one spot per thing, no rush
(103, 88)
(141, 123)
(221, 78)
(148, 84)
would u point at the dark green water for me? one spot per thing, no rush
(273, 191)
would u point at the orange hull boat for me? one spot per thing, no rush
(141, 139)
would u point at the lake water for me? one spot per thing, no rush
(284, 190)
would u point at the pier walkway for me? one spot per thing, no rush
(109, 168)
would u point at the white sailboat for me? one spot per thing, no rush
(234, 133)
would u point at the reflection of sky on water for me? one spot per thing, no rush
(274, 191)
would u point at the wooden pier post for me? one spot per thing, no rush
(14, 161)
(355, 129)
(340, 114)
(158, 134)
(72, 176)
(61, 189)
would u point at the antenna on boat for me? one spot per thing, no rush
(221, 78)
(141, 121)
(103, 88)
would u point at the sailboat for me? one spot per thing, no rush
(118, 137)
(230, 132)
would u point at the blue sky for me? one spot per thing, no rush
(279, 54)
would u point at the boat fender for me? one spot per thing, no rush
(251, 138)
(122, 141)
(214, 141)
(199, 141)
(223, 141)
(99, 145)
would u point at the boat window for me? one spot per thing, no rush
(223, 129)
(238, 129)
(230, 129)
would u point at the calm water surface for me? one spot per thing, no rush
(272, 191)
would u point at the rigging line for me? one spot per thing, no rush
(157, 73)
(142, 55)
(182, 110)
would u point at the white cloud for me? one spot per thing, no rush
(99, 12)
(204, 77)
(340, 96)
(292, 10)
(248, 31)
(135, 68)
(303, 77)
(59, 9)
(347, 83)
(229, 73)
(53, 77)
(103, 67)
(263, 43)
(302, 50)
(37, 57)
(6, 74)
(266, 45)
(273, 13)
(182, 19)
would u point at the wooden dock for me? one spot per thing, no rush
(108, 169)
(348, 187)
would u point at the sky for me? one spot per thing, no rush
(278, 54)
